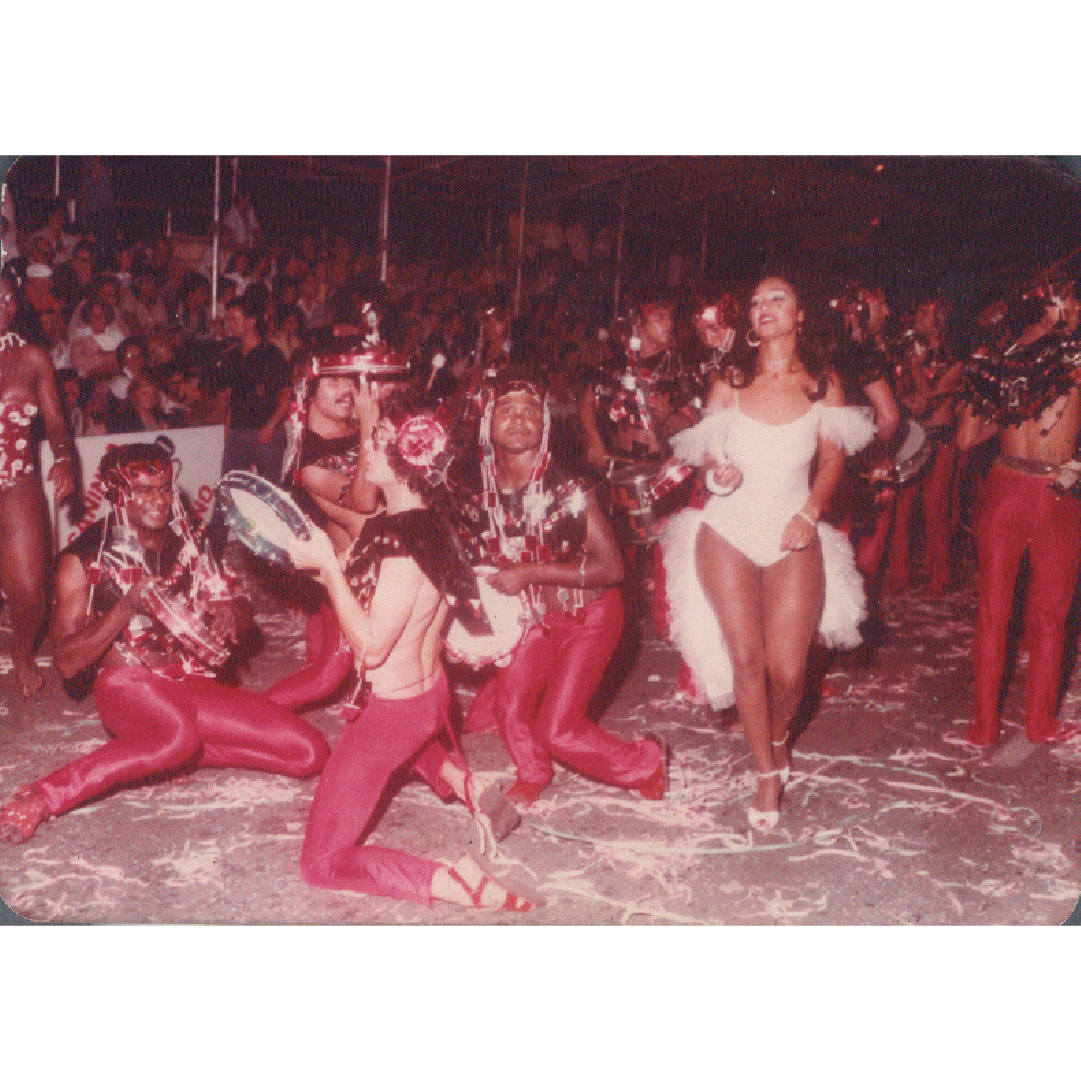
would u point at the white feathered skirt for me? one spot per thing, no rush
(694, 629)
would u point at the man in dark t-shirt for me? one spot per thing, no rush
(256, 380)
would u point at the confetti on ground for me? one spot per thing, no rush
(890, 818)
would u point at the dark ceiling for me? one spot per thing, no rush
(968, 223)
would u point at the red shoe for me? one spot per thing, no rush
(657, 785)
(525, 793)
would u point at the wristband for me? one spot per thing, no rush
(807, 518)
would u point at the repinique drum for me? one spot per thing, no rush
(181, 620)
(632, 489)
(261, 515)
(508, 615)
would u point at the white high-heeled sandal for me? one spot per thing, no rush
(764, 820)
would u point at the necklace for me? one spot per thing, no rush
(791, 368)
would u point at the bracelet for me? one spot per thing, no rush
(807, 518)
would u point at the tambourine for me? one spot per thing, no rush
(354, 355)
(508, 616)
(262, 516)
(182, 621)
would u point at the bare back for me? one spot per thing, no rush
(406, 616)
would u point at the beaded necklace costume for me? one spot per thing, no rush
(643, 388)
(186, 565)
(542, 522)
(1021, 383)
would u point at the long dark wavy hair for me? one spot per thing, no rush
(811, 349)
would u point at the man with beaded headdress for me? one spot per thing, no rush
(333, 411)
(1029, 396)
(552, 546)
(392, 593)
(144, 606)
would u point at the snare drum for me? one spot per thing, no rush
(262, 516)
(632, 490)
(508, 616)
(185, 624)
(915, 453)
(912, 458)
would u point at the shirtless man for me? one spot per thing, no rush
(935, 374)
(1030, 398)
(27, 387)
(392, 601)
(158, 697)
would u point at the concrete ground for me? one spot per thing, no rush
(891, 818)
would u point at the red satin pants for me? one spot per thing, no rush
(1023, 512)
(159, 725)
(541, 699)
(390, 733)
(937, 495)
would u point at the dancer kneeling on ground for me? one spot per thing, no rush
(392, 600)
(554, 548)
(124, 587)
(755, 574)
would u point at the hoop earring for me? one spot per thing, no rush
(753, 343)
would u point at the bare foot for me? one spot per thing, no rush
(467, 884)
(24, 811)
(30, 678)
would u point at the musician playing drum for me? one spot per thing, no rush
(629, 412)
(142, 602)
(1029, 396)
(863, 364)
(553, 546)
(935, 378)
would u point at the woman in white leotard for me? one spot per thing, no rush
(756, 559)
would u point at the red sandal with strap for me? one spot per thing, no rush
(511, 903)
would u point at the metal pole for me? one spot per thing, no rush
(214, 240)
(56, 176)
(618, 284)
(521, 243)
(705, 227)
(384, 225)
(236, 170)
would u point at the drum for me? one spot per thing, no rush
(262, 516)
(915, 453)
(632, 490)
(186, 625)
(508, 616)
(912, 458)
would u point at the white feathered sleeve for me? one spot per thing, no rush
(851, 427)
(706, 439)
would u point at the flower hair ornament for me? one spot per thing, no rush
(421, 442)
